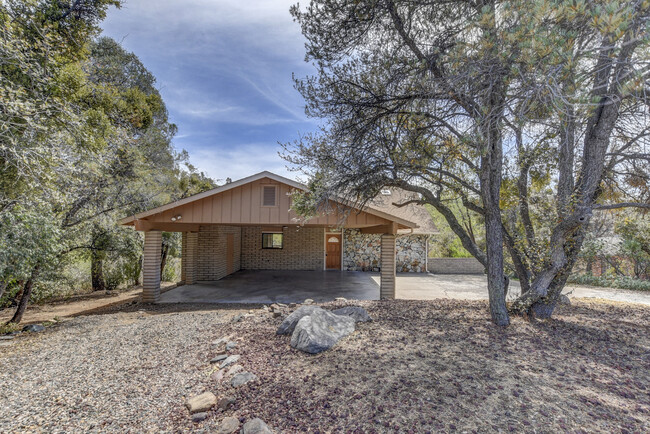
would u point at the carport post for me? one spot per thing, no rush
(387, 277)
(151, 267)
(190, 260)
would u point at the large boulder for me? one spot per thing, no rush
(256, 426)
(320, 331)
(289, 323)
(201, 403)
(357, 313)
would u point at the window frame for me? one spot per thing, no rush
(272, 247)
(275, 200)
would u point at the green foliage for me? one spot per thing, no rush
(84, 140)
(446, 244)
(621, 282)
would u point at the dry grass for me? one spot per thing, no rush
(441, 366)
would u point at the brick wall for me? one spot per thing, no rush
(303, 249)
(455, 266)
(211, 251)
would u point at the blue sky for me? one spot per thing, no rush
(224, 70)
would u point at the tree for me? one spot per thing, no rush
(526, 111)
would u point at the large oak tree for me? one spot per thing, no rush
(532, 113)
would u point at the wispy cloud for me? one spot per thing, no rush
(241, 161)
(224, 68)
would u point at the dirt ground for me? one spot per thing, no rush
(441, 366)
(79, 305)
(421, 366)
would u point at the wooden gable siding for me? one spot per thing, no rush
(243, 205)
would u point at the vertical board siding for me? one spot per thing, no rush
(243, 205)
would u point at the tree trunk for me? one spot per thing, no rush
(3, 287)
(97, 271)
(544, 307)
(24, 300)
(163, 258)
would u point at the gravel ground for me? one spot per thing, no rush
(434, 366)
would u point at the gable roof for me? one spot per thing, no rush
(400, 218)
(414, 212)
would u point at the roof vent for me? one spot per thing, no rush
(385, 192)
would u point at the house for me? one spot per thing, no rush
(249, 225)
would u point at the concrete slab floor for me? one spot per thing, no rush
(278, 286)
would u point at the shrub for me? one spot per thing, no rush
(621, 282)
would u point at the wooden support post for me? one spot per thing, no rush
(387, 278)
(151, 267)
(190, 260)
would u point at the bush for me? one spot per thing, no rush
(621, 282)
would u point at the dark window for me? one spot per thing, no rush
(272, 241)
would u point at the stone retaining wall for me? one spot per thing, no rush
(455, 266)
(361, 252)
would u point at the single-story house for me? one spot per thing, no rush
(249, 225)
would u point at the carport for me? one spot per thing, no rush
(277, 286)
(249, 225)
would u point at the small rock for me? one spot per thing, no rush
(199, 417)
(320, 331)
(229, 361)
(218, 376)
(357, 313)
(228, 425)
(221, 341)
(200, 403)
(277, 314)
(275, 307)
(265, 308)
(292, 305)
(34, 328)
(234, 369)
(282, 305)
(256, 426)
(565, 300)
(219, 358)
(242, 378)
(308, 301)
(230, 345)
(289, 323)
(6, 337)
(225, 402)
(341, 299)
(237, 318)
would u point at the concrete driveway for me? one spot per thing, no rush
(271, 286)
(278, 286)
(428, 286)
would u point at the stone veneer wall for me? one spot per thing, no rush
(363, 251)
(303, 249)
(211, 251)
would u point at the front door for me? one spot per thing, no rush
(333, 250)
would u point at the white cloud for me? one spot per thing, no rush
(241, 161)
